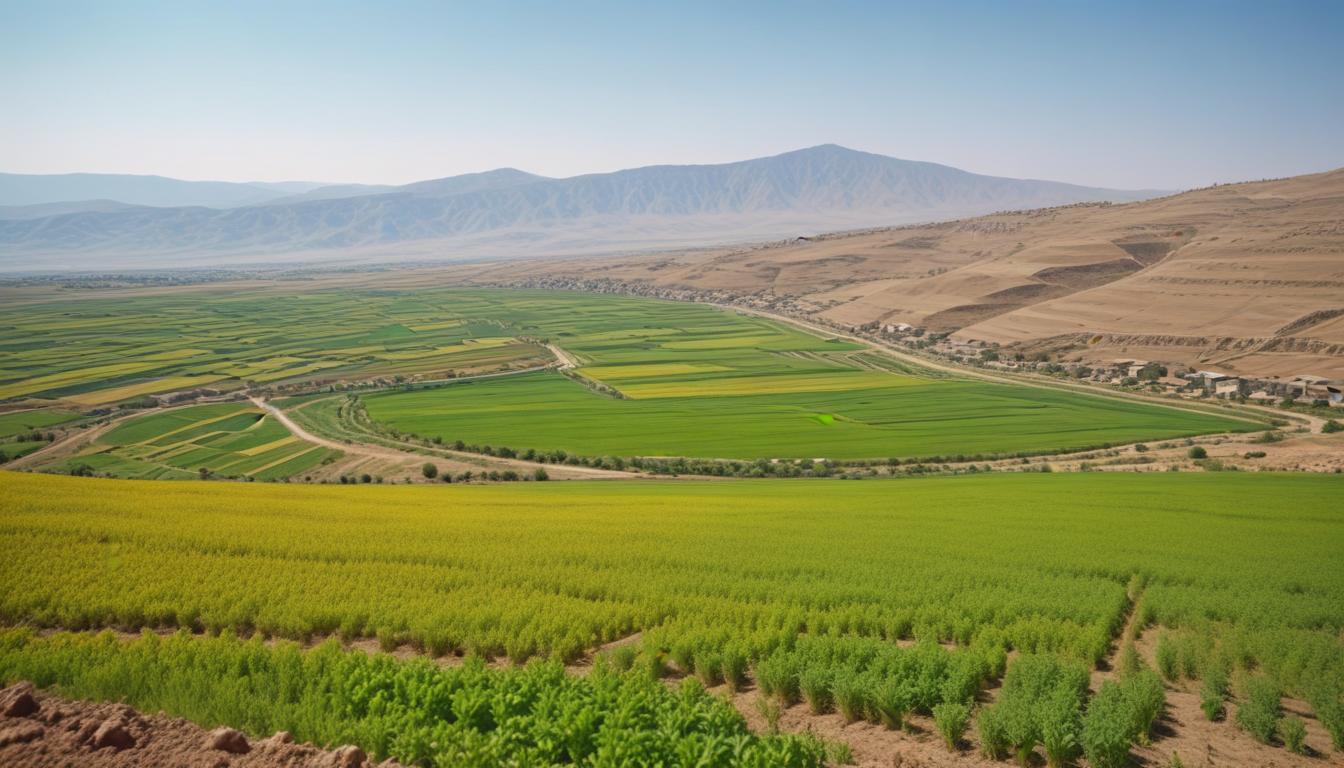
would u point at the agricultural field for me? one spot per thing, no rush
(25, 431)
(643, 377)
(876, 599)
(230, 440)
(91, 351)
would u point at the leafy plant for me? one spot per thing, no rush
(1293, 734)
(1259, 714)
(951, 719)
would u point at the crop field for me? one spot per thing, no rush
(20, 422)
(93, 351)
(789, 579)
(654, 378)
(225, 439)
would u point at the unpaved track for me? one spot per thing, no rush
(392, 454)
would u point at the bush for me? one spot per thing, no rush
(1060, 724)
(891, 700)
(951, 718)
(429, 471)
(1107, 728)
(815, 684)
(540, 474)
(1332, 426)
(1198, 452)
(993, 733)
(1293, 733)
(734, 669)
(1146, 698)
(1213, 692)
(1329, 707)
(850, 694)
(1259, 714)
(1165, 655)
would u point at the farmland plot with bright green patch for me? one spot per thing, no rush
(729, 386)
(225, 439)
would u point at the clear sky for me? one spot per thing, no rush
(1124, 94)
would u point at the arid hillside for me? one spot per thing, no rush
(1248, 277)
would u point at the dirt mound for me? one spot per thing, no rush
(55, 733)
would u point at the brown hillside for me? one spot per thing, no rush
(1244, 277)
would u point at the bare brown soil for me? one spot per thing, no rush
(62, 733)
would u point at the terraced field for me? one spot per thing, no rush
(224, 439)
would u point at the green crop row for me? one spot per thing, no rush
(415, 712)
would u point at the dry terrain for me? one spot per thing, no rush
(1247, 278)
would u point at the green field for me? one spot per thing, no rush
(655, 378)
(93, 350)
(787, 582)
(226, 439)
(20, 422)
(905, 417)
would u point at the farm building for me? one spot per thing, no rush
(1229, 387)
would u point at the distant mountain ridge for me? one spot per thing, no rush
(509, 212)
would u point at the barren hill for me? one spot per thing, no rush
(1243, 277)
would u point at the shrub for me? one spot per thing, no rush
(540, 474)
(1197, 452)
(778, 677)
(1060, 724)
(1107, 728)
(891, 700)
(429, 471)
(951, 718)
(1214, 691)
(993, 733)
(770, 712)
(849, 691)
(1293, 733)
(815, 684)
(1329, 707)
(734, 669)
(1332, 426)
(1145, 696)
(1165, 656)
(1259, 714)
(708, 666)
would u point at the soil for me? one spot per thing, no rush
(62, 733)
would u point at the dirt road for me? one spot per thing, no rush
(392, 454)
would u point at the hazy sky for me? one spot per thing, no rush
(1123, 94)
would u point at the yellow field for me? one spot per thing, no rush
(601, 372)
(71, 378)
(472, 345)
(143, 388)
(767, 385)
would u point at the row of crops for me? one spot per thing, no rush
(417, 712)
(805, 589)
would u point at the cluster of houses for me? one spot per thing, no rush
(1269, 389)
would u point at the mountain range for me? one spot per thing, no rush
(153, 222)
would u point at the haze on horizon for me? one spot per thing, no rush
(1134, 96)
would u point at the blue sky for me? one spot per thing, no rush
(1134, 94)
